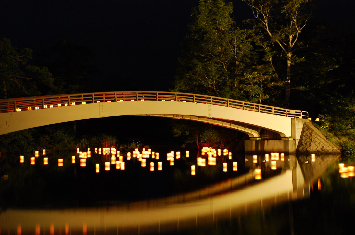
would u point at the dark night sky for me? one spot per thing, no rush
(131, 38)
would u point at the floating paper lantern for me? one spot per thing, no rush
(36, 108)
(187, 154)
(45, 161)
(255, 158)
(177, 155)
(225, 152)
(121, 158)
(44, 152)
(313, 157)
(273, 165)
(77, 150)
(172, 162)
(201, 161)
(100, 151)
(235, 166)
(60, 162)
(230, 155)
(36, 153)
(257, 174)
(113, 160)
(211, 161)
(193, 170)
(22, 159)
(123, 166)
(224, 167)
(151, 166)
(143, 162)
(157, 156)
(282, 157)
(267, 157)
(129, 156)
(275, 156)
(83, 162)
(160, 166)
(219, 152)
(97, 166)
(107, 166)
(118, 165)
(33, 160)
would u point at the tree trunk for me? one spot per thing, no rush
(288, 79)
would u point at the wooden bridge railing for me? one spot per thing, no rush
(54, 101)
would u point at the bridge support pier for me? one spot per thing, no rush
(259, 146)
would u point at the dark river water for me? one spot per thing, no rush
(240, 194)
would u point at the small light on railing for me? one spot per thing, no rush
(107, 166)
(59, 105)
(142, 99)
(109, 101)
(33, 161)
(51, 106)
(225, 167)
(235, 166)
(36, 108)
(22, 159)
(45, 106)
(83, 102)
(45, 161)
(160, 166)
(29, 108)
(60, 162)
(18, 110)
(72, 103)
(97, 166)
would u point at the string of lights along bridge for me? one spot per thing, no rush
(106, 159)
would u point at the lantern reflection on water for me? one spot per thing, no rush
(193, 170)
(22, 159)
(107, 166)
(235, 166)
(60, 162)
(113, 160)
(201, 161)
(129, 156)
(258, 174)
(224, 167)
(44, 152)
(351, 172)
(230, 155)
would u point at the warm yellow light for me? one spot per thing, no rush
(45, 106)
(77, 150)
(22, 159)
(60, 162)
(341, 165)
(113, 160)
(313, 157)
(319, 184)
(160, 166)
(157, 156)
(45, 161)
(97, 166)
(151, 166)
(225, 152)
(99, 151)
(129, 156)
(255, 158)
(118, 165)
(275, 156)
(273, 165)
(36, 108)
(235, 166)
(219, 152)
(211, 161)
(29, 108)
(36, 153)
(257, 174)
(107, 166)
(83, 102)
(44, 152)
(344, 175)
(282, 157)
(187, 154)
(59, 105)
(177, 155)
(83, 162)
(51, 106)
(123, 166)
(143, 162)
(225, 167)
(201, 161)
(230, 155)
(193, 170)
(33, 160)
(267, 157)
(172, 162)
(51, 229)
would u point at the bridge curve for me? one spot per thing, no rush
(23, 113)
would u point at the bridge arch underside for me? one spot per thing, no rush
(250, 122)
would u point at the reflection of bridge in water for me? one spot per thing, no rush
(293, 181)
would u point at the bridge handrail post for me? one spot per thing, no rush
(228, 103)
(42, 103)
(176, 99)
(115, 97)
(93, 98)
(69, 100)
(194, 98)
(15, 106)
(136, 95)
(243, 105)
(157, 96)
(273, 110)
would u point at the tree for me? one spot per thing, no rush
(18, 79)
(219, 59)
(283, 21)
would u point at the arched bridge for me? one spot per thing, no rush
(23, 113)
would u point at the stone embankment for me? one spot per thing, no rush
(313, 141)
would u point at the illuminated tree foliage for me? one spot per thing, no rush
(282, 21)
(220, 59)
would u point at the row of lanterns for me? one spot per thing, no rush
(346, 171)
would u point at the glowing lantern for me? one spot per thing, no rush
(118, 165)
(160, 166)
(275, 156)
(18, 110)
(129, 156)
(36, 108)
(266, 157)
(59, 105)
(219, 152)
(77, 150)
(83, 102)
(225, 152)
(201, 161)
(340, 165)
(121, 158)
(45, 161)
(187, 154)
(351, 172)
(319, 184)
(177, 155)
(193, 170)
(313, 157)
(36, 153)
(113, 160)
(100, 151)
(273, 165)
(143, 162)
(60, 162)
(107, 166)
(235, 166)
(44, 152)
(83, 162)
(230, 155)
(29, 108)
(51, 106)
(22, 159)
(97, 166)
(255, 158)
(157, 156)
(224, 167)
(96, 150)
(211, 161)
(45, 106)
(122, 166)
(172, 162)
(258, 174)
(151, 166)
(282, 157)
(33, 160)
